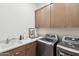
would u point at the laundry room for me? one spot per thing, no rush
(39, 29)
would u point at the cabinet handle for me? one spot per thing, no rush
(17, 52)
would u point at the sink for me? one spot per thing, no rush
(4, 45)
(18, 42)
(13, 44)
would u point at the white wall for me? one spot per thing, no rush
(15, 19)
(39, 5)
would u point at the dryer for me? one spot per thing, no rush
(69, 46)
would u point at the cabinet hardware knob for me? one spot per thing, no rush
(17, 53)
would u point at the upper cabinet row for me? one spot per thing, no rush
(57, 15)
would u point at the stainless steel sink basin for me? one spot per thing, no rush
(13, 44)
(2, 46)
(10, 44)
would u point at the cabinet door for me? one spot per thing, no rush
(52, 15)
(72, 14)
(31, 49)
(37, 18)
(58, 15)
(43, 17)
(20, 51)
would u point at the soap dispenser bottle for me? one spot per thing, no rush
(20, 38)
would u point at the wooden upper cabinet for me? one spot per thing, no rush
(43, 17)
(37, 18)
(72, 15)
(52, 16)
(58, 15)
(45, 21)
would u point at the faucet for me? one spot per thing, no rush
(7, 41)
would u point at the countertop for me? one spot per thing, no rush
(15, 45)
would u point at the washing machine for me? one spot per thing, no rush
(47, 45)
(69, 46)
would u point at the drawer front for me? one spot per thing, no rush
(31, 51)
(9, 52)
(31, 45)
(20, 53)
(5, 54)
(16, 51)
(22, 48)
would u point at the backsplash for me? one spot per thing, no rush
(60, 31)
